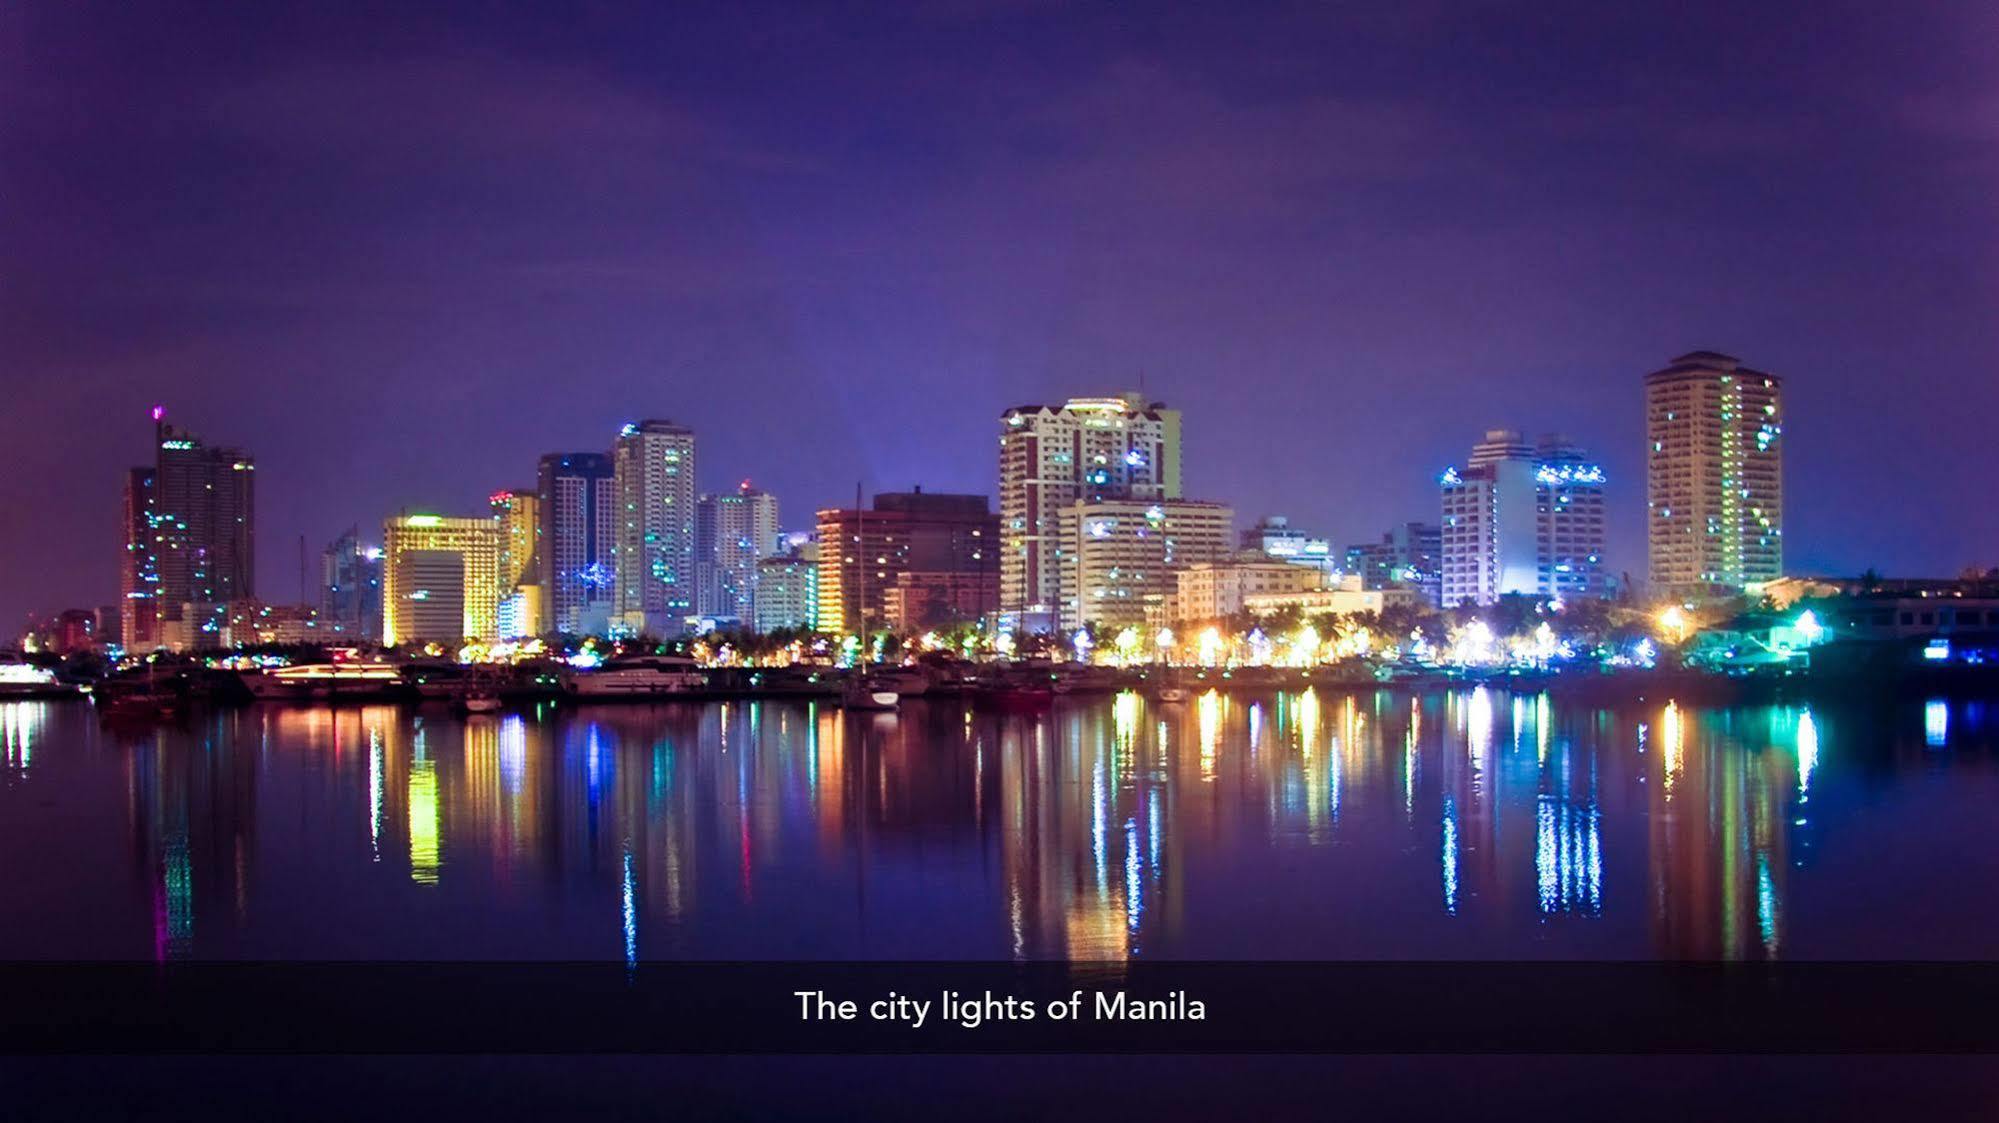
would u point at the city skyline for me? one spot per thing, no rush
(1342, 244)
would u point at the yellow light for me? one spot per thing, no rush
(1673, 624)
(1211, 647)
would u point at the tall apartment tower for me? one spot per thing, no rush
(655, 573)
(138, 573)
(199, 527)
(732, 533)
(1052, 457)
(1522, 518)
(440, 579)
(518, 511)
(579, 529)
(1714, 476)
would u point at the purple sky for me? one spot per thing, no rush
(399, 255)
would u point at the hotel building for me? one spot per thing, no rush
(1051, 457)
(1521, 518)
(440, 579)
(1714, 476)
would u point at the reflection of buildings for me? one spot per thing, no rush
(1718, 817)
(191, 809)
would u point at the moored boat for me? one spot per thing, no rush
(325, 682)
(638, 676)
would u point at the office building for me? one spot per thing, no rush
(578, 493)
(1409, 556)
(787, 596)
(1522, 518)
(862, 553)
(732, 533)
(1051, 457)
(440, 579)
(654, 570)
(1218, 590)
(200, 530)
(925, 601)
(1275, 537)
(518, 513)
(1345, 597)
(1120, 558)
(1714, 476)
(350, 604)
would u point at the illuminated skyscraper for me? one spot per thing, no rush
(518, 511)
(138, 571)
(440, 579)
(1714, 476)
(1521, 518)
(351, 597)
(788, 588)
(1051, 457)
(732, 533)
(201, 522)
(654, 463)
(579, 527)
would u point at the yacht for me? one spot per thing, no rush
(325, 682)
(638, 676)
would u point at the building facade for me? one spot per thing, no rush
(1714, 476)
(1275, 537)
(655, 572)
(350, 602)
(732, 534)
(578, 493)
(1521, 518)
(862, 553)
(788, 591)
(921, 601)
(1216, 590)
(1120, 559)
(1409, 556)
(518, 511)
(197, 544)
(440, 579)
(1344, 598)
(1118, 448)
(138, 569)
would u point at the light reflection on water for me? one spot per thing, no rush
(1474, 824)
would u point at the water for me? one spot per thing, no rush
(1472, 825)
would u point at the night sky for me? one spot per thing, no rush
(400, 254)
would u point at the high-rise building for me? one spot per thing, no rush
(655, 574)
(201, 523)
(577, 553)
(1274, 537)
(350, 605)
(518, 511)
(1522, 518)
(1121, 558)
(1714, 476)
(138, 570)
(788, 588)
(732, 533)
(863, 553)
(440, 579)
(1052, 456)
(1410, 557)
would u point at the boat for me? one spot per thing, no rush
(638, 676)
(1169, 695)
(479, 702)
(25, 680)
(905, 681)
(868, 692)
(325, 682)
